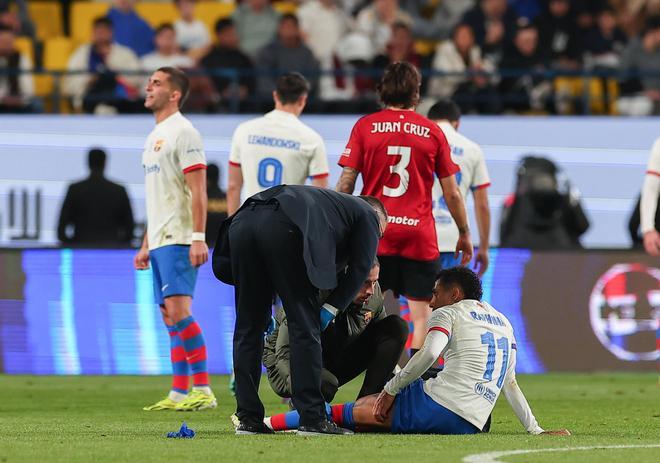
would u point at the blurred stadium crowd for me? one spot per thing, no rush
(490, 56)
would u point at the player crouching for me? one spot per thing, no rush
(479, 350)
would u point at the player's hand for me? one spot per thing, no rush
(382, 406)
(652, 242)
(464, 244)
(141, 259)
(481, 262)
(558, 432)
(199, 253)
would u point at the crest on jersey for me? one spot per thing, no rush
(368, 316)
(158, 145)
(624, 309)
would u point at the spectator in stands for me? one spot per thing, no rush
(466, 84)
(226, 56)
(605, 42)
(323, 23)
(18, 21)
(377, 19)
(400, 47)
(217, 204)
(286, 54)
(167, 51)
(256, 22)
(95, 81)
(523, 88)
(191, 34)
(16, 80)
(130, 29)
(641, 65)
(494, 26)
(97, 209)
(433, 20)
(559, 36)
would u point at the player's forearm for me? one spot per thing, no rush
(321, 182)
(233, 199)
(199, 208)
(520, 407)
(346, 183)
(456, 207)
(649, 202)
(145, 239)
(482, 212)
(434, 344)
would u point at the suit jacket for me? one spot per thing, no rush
(339, 231)
(100, 213)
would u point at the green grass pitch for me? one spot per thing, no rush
(99, 419)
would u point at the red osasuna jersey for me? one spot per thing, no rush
(398, 154)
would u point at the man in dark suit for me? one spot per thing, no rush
(293, 241)
(98, 210)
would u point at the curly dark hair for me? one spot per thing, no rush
(464, 278)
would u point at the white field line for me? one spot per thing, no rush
(494, 457)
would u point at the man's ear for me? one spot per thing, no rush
(456, 294)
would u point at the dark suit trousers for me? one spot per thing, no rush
(267, 259)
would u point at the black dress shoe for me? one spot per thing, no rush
(323, 428)
(246, 429)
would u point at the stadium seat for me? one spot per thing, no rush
(286, 7)
(25, 47)
(157, 13)
(82, 16)
(56, 56)
(209, 12)
(425, 47)
(46, 17)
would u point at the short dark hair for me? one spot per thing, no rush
(399, 86)
(222, 24)
(96, 159)
(464, 278)
(104, 21)
(164, 27)
(445, 110)
(179, 80)
(290, 87)
(376, 203)
(289, 17)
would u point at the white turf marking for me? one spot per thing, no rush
(493, 457)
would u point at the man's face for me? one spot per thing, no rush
(527, 41)
(493, 8)
(124, 5)
(401, 38)
(257, 4)
(464, 39)
(289, 32)
(159, 91)
(228, 37)
(367, 289)
(443, 296)
(102, 36)
(559, 8)
(166, 42)
(7, 41)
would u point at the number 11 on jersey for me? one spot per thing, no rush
(503, 345)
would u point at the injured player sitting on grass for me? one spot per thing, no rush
(479, 349)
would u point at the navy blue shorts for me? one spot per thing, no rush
(173, 274)
(417, 413)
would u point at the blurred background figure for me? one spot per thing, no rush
(191, 33)
(19, 20)
(16, 81)
(96, 212)
(377, 19)
(216, 205)
(256, 23)
(544, 212)
(648, 206)
(167, 52)
(130, 29)
(226, 57)
(95, 80)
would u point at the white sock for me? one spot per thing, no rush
(176, 396)
(267, 422)
(204, 389)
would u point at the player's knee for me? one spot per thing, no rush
(397, 327)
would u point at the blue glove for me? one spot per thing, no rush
(328, 313)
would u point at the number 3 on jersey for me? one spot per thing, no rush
(400, 169)
(270, 173)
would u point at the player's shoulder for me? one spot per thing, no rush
(184, 126)
(655, 151)
(308, 132)
(250, 124)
